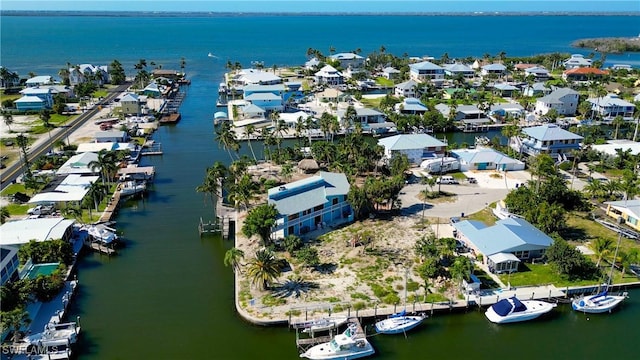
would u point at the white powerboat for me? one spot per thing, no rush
(54, 333)
(599, 303)
(323, 324)
(131, 187)
(514, 310)
(398, 323)
(348, 345)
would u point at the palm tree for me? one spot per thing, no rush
(4, 214)
(8, 119)
(249, 131)
(602, 247)
(263, 269)
(233, 258)
(226, 137)
(617, 121)
(14, 320)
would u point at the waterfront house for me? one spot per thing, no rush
(364, 116)
(610, 106)
(82, 73)
(493, 70)
(329, 75)
(547, 139)
(459, 69)
(411, 106)
(505, 244)
(485, 159)
(131, 104)
(41, 229)
(348, 60)
(539, 73)
(416, 147)
(576, 61)
(9, 264)
(406, 89)
(390, 73)
(65, 190)
(426, 71)
(308, 204)
(628, 210)
(563, 100)
(111, 136)
(79, 164)
(39, 80)
(584, 74)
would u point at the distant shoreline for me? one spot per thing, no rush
(249, 14)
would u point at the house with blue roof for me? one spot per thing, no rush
(426, 71)
(485, 159)
(505, 244)
(416, 147)
(547, 139)
(309, 204)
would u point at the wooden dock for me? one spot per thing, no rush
(112, 207)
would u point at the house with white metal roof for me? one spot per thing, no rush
(504, 244)
(547, 139)
(426, 71)
(610, 106)
(411, 106)
(39, 80)
(329, 75)
(346, 60)
(406, 89)
(563, 100)
(308, 204)
(485, 159)
(41, 229)
(416, 147)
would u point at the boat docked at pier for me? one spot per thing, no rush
(599, 303)
(398, 323)
(347, 345)
(323, 324)
(514, 310)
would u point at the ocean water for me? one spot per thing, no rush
(167, 294)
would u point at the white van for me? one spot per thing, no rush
(446, 180)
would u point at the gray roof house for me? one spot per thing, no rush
(416, 146)
(563, 100)
(504, 244)
(311, 203)
(547, 139)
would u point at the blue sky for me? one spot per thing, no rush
(329, 5)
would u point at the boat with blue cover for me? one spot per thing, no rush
(515, 310)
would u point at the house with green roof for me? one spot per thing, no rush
(505, 244)
(309, 204)
(416, 147)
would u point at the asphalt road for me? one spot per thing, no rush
(44, 144)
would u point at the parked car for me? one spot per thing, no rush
(41, 210)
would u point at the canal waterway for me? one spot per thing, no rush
(167, 294)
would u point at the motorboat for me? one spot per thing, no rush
(324, 324)
(102, 233)
(347, 345)
(131, 187)
(598, 303)
(66, 332)
(398, 323)
(515, 310)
